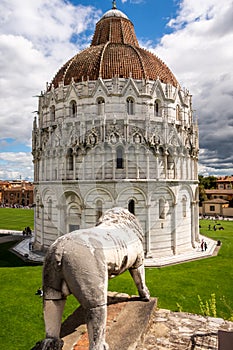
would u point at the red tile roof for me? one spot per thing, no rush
(114, 51)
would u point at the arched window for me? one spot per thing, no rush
(162, 208)
(170, 162)
(100, 106)
(99, 209)
(119, 158)
(130, 105)
(184, 207)
(73, 109)
(131, 206)
(70, 163)
(52, 113)
(157, 108)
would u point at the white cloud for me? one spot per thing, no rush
(199, 52)
(16, 165)
(36, 38)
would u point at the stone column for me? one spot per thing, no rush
(59, 165)
(188, 166)
(92, 165)
(181, 166)
(137, 167)
(196, 215)
(157, 164)
(83, 165)
(174, 235)
(51, 167)
(103, 163)
(126, 164)
(148, 164)
(191, 168)
(165, 163)
(42, 225)
(193, 223)
(74, 165)
(148, 243)
(113, 164)
(61, 219)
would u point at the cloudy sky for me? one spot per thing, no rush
(193, 37)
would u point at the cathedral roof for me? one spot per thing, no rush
(114, 52)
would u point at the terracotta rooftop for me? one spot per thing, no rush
(219, 191)
(114, 51)
(217, 201)
(225, 178)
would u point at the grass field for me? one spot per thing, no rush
(177, 287)
(16, 219)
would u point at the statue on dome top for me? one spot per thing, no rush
(114, 7)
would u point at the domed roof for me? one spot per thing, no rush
(114, 51)
(114, 13)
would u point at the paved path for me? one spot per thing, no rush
(188, 255)
(22, 248)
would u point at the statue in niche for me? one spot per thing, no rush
(137, 138)
(92, 139)
(45, 138)
(58, 136)
(113, 138)
(155, 140)
(81, 262)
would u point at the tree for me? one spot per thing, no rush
(209, 182)
(205, 183)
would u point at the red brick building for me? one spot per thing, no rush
(16, 193)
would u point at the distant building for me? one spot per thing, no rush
(116, 129)
(220, 194)
(224, 189)
(16, 193)
(220, 200)
(214, 207)
(225, 182)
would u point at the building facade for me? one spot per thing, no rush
(225, 182)
(220, 200)
(114, 128)
(17, 193)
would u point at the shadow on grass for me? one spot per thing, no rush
(9, 259)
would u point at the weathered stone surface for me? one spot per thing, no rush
(155, 329)
(183, 331)
(127, 322)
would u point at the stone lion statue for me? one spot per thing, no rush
(81, 262)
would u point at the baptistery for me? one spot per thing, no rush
(115, 128)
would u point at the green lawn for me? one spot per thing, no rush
(177, 287)
(16, 219)
(21, 313)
